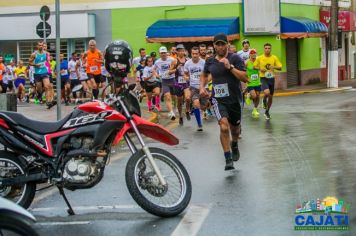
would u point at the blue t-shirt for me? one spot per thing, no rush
(64, 70)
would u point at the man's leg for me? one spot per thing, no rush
(187, 97)
(225, 143)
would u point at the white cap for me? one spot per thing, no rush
(163, 49)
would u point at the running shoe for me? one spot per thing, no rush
(200, 128)
(188, 115)
(172, 116)
(229, 164)
(181, 120)
(235, 153)
(267, 115)
(248, 99)
(255, 113)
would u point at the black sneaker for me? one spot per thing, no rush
(188, 115)
(200, 128)
(267, 115)
(235, 153)
(181, 120)
(229, 164)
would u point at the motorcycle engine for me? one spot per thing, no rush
(79, 170)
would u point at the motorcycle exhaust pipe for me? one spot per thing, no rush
(15, 143)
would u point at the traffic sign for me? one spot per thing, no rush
(45, 13)
(40, 30)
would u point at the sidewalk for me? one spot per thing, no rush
(315, 88)
(39, 112)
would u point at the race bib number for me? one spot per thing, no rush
(21, 75)
(64, 72)
(254, 77)
(181, 80)
(42, 64)
(93, 68)
(221, 90)
(269, 74)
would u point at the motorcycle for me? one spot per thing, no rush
(15, 220)
(72, 154)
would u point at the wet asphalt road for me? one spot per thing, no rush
(307, 150)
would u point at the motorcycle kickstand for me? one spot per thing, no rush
(70, 209)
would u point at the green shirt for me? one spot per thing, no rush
(253, 78)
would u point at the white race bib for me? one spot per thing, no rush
(93, 68)
(254, 77)
(64, 72)
(165, 75)
(181, 80)
(221, 90)
(269, 74)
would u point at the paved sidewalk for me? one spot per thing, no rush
(316, 88)
(40, 112)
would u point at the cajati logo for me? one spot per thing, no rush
(327, 214)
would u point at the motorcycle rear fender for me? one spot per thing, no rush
(149, 129)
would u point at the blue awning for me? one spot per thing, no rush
(301, 27)
(192, 30)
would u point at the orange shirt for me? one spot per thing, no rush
(93, 67)
(2, 70)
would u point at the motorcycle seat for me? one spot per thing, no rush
(41, 127)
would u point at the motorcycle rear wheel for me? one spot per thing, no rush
(11, 166)
(145, 189)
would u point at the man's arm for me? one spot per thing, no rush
(203, 82)
(235, 69)
(172, 68)
(101, 60)
(32, 58)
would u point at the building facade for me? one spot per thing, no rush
(303, 57)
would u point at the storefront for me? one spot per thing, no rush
(346, 25)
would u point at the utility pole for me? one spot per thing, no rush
(333, 54)
(58, 63)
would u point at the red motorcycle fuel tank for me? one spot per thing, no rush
(97, 107)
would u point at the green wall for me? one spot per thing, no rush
(131, 24)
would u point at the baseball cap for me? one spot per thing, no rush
(253, 51)
(163, 49)
(180, 46)
(221, 37)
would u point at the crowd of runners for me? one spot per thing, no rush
(206, 80)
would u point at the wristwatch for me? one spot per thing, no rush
(231, 67)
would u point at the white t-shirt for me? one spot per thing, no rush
(194, 70)
(162, 68)
(31, 74)
(244, 55)
(82, 72)
(136, 61)
(72, 70)
(147, 73)
(9, 75)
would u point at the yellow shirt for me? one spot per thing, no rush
(20, 72)
(265, 62)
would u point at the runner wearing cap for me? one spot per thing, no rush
(267, 64)
(164, 69)
(244, 53)
(193, 70)
(152, 86)
(254, 82)
(181, 85)
(227, 70)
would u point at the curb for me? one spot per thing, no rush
(326, 90)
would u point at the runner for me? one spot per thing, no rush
(51, 73)
(193, 69)
(32, 90)
(94, 59)
(253, 84)
(83, 77)
(267, 64)
(152, 86)
(227, 70)
(173, 52)
(20, 80)
(10, 79)
(38, 60)
(232, 48)
(164, 68)
(140, 80)
(65, 82)
(136, 61)
(202, 51)
(181, 85)
(2, 73)
(73, 73)
(244, 53)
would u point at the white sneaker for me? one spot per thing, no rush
(171, 115)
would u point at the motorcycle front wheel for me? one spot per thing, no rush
(146, 190)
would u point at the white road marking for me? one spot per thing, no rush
(63, 223)
(45, 194)
(86, 208)
(192, 221)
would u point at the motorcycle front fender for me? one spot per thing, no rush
(148, 129)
